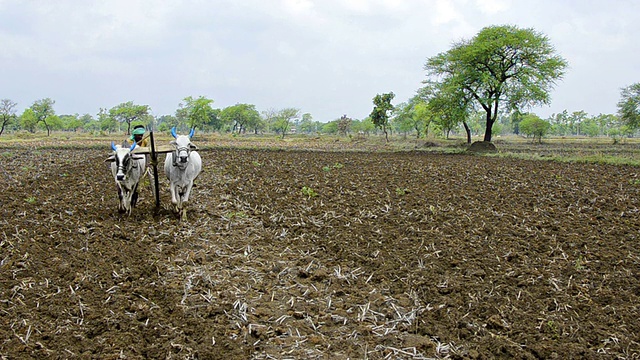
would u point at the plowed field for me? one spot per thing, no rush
(321, 255)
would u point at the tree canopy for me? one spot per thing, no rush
(501, 65)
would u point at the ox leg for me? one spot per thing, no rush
(121, 207)
(187, 192)
(127, 201)
(174, 196)
(134, 196)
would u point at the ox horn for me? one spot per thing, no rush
(193, 131)
(133, 146)
(173, 132)
(113, 146)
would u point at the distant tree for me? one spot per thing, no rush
(575, 121)
(43, 111)
(195, 112)
(533, 125)
(269, 117)
(70, 122)
(240, 117)
(344, 124)
(516, 117)
(402, 118)
(364, 126)
(284, 118)
(330, 128)
(307, 125)
(589, 127)
(106, 122)
(449, 108)
(28, 120)
(128, 112)
(422, 117)
(500, 65)
(166, 122)
(606, 122)
(7, 113)
(629, 106)
(381, 109)
(412, 115)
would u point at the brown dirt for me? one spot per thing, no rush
(382, 255)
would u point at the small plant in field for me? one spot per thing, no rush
(553, 329)
(634, 182)
(256, 163)
(64, 174)
(236, 214)
(6, 154)
(31, 200)
(334, 166)
(402, 191)
(309, 192)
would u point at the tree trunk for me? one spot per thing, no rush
(487, 131)
(468, 130)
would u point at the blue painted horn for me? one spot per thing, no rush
(193, 131)
(173, 132)
(133, 146)
(113, 146)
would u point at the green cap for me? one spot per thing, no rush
(138, 131)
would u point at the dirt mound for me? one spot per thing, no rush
(482, 147)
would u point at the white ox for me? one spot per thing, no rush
(127, 169)
(181, 167)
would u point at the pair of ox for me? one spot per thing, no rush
(181, 166)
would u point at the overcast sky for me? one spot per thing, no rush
(324, 57)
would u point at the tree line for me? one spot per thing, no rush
(481, 86)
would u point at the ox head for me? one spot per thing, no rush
(123, 159)
(183, 146)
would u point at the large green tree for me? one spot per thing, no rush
(7, 113)
(129, 112)
(381, 109)
(43, 112)
(629, 106)
(501, 66)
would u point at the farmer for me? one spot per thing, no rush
(137, 135)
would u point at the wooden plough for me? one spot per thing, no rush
(154, 161)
